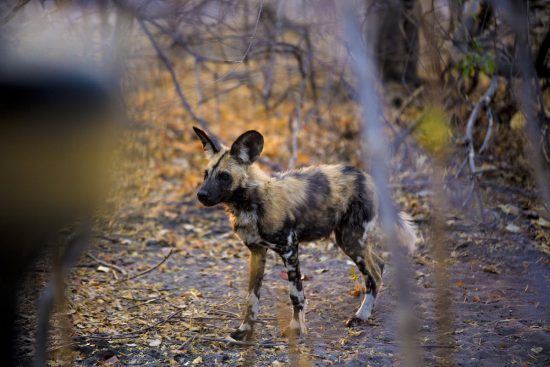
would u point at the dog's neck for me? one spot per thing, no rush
(256, 176)
(247, 197)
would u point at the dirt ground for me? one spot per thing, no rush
(178, 313)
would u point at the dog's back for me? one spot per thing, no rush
(313, 200)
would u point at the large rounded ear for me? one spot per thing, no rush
(211, 145)
(247, 148)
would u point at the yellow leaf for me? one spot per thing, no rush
(197, 360)
(433, 131)
(517, 122)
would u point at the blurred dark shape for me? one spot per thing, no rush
(392, 26)
(55, 130)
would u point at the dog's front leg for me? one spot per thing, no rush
(257, 266)
(290, 258)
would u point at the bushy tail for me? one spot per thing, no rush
(408, 232)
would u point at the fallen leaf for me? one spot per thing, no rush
(543, 222)
(197, 360)
(111, 360)
(536, 350)
(491, 269)
(357, 290)
(103, 269)
(155, 342)
(509, 209)
(510, 227)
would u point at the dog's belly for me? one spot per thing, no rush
(248, 229)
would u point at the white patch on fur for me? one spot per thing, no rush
(365, 310)
(295, 292)
(254, 303)
(289, 239)
(243, 154)
(300, 323)
(288, 254)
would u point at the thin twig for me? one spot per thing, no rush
(143, 303)
(250, 44)
(150, 269)
(408, 101)
(238, 342)
(107, 264)
(489, 130)
(402, 136)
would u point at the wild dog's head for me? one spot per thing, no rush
(227, 168)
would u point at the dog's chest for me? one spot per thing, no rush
(245, 224)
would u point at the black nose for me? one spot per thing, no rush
(202, 195)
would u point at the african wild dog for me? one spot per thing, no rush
(277, 212)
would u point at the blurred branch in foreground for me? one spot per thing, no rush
(515, 14)
(375, 147)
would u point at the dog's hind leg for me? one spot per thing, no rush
(257, 266)
(352, 239)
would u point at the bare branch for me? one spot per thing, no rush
(483, 102)
(168, 64)
(295, 123)
(489, 130)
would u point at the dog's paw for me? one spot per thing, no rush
(242, 335)
(296, 329)
(292, 333)
(356, 321)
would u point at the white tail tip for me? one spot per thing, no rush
(408, 232)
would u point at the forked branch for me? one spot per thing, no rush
(168, 64)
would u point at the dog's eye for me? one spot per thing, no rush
(224, 176)
(205, 174)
